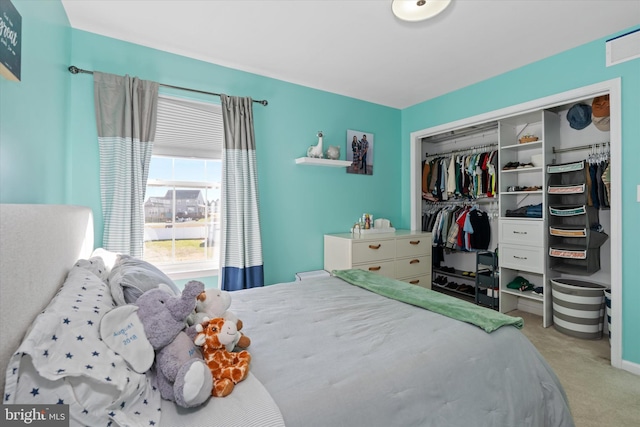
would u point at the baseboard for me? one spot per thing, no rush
(634, 368)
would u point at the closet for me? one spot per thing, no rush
(544, 190)
(459, 187)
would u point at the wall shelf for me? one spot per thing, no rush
(322, 162)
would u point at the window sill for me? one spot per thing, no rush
(188, 271)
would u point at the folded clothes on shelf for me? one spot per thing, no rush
(530, 211)
(521, 284)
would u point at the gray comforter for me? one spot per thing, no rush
(332, 354)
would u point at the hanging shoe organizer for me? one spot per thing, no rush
(574, 229)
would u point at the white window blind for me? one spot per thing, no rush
(188, 129)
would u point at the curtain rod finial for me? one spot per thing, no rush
(73, 69)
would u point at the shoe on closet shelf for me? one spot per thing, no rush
(525, 165)
(510, 165)
(440, 280)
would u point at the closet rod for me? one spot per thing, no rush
(461, 201)
(581, 147)
(75, 70)
(477, 147)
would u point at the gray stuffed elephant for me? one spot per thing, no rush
(153, 329)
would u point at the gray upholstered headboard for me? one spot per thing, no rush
(38, 246)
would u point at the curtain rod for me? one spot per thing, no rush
(75, 70)
(581, 147)
(476, 147)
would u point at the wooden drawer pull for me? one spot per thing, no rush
(375, 246)
(414, 242)
(374, 268)
(414, 261)
(414, 282)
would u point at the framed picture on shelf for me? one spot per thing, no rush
(360, 152)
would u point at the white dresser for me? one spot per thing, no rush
(404, 255)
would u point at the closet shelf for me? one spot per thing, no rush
(521, 218)
(526, 145)
(531, 169)
(444, 289)
(525, 294)
(458, 274)
(522, 192)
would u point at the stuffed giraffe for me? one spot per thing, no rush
(227, 368)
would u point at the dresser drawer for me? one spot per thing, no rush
(423, 281)
(527, 258)
(413, 266)
(528, 233)
(373, 250)
(383, 268)
(414, 246)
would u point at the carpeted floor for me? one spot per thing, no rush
(599, 395)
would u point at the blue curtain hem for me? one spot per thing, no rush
(234, 278)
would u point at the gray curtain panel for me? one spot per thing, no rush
(241, 247)
(126, 111)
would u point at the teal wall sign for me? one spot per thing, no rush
(10, 31)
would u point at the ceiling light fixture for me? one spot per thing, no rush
(418, 10)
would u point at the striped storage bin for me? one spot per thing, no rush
(607, 302)
(578, 308)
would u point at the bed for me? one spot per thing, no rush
(343, 350)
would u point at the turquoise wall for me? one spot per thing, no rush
(48, 149)
(582, 66)
(298, 204)
(33, 112)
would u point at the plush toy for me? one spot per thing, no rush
(227, 368)
(213, 303)
(153, 330)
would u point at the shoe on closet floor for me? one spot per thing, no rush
(441, 280)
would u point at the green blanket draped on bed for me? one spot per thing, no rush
(485, 318)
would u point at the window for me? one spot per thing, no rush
(182, 200)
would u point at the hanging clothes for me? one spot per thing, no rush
(463, 228)
(596, 166)
(469, 176)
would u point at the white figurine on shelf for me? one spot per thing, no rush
(333, 152)
(316, 150)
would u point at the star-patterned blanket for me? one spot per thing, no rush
(62, 360)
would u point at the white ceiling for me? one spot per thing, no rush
(358, 48)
